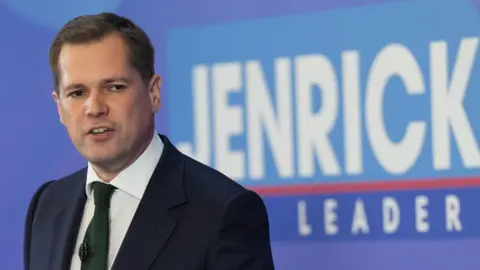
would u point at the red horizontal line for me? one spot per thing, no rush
(355, 187)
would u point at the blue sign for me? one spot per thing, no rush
(332, 96)
(358, 125)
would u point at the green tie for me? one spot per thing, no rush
(94, 249)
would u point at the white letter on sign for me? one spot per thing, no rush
(393, 60)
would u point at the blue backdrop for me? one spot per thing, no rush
(356, 120)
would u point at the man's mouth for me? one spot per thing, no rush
(99, 130)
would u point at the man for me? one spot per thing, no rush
(140, 203)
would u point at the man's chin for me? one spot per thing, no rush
(102, 160)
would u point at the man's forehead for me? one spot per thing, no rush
(94, 63)
(112, 40)
(105, 51)
(93, 70)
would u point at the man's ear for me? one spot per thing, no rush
(56, 98)
(154, 90)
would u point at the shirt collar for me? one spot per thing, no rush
(134, 179)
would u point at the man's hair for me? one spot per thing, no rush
(90, 28)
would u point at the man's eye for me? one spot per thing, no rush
(75, 94)
(116, 87)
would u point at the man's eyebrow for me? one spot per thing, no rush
(74, 86)
(116, 79)
(78, 86)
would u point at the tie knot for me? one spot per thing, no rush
(102, 193)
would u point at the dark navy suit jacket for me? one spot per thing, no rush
(191, 217)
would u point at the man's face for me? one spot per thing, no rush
(104, 104)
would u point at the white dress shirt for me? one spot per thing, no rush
(131, 184)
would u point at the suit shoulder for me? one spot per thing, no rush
(56, 190)
(81, 173)
(71, 179)
(208, 182)
(38, 194)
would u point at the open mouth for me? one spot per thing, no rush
(101, 134)
(99, 130)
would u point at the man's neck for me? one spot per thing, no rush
(108, 172)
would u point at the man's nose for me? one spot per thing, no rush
(96, 106)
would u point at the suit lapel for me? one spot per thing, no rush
(66, 224)
(145, 239)
(152, 224)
